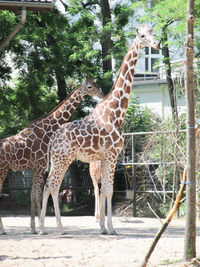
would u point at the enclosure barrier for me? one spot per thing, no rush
(128, 162)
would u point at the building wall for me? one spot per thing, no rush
(154, 95)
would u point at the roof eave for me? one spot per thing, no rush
(33, 6)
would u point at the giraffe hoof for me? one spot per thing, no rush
(3, 233)
(112, 232)
(63, 233)
(33, 232)
(43, 233)
(104, 232)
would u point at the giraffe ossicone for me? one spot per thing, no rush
(96, 137)
(28, 148)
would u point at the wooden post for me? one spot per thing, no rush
(190, 228)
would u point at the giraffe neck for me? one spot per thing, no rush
(61, 113)
(117, 101)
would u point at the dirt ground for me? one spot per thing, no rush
(84, 246)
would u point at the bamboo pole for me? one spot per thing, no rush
(167, 221)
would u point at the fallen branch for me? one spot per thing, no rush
(154, 213)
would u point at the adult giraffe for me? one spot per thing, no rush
(28, 148)
(96, 137)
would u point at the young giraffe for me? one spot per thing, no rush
(95, 137)
(28, 148)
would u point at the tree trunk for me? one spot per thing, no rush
(106, 42)
(190, 231)
(166, 61)
(61, 85)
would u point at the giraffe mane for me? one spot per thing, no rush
(114, 84)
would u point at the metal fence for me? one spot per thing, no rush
(150, 163)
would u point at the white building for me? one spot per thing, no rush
(150, 84)
(154, 95)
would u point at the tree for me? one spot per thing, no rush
(190, 234)
(53, 48)
(168, 19)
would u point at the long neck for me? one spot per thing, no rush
(117, 100)
(61, 113)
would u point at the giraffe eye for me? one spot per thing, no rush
(142, 35)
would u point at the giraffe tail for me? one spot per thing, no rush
(45, 176)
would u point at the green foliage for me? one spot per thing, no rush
(138, 118)
(50, 49)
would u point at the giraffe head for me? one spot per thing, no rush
(145, 35)
(89, 87)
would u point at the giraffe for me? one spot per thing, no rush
(95, 137)
(28, 148)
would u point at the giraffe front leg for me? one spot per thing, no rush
(33, 205)
(39, 202)
(102, 214)
(111, 230)
(106, 193)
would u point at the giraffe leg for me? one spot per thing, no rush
(3, 173)
(36, 196)
(61, 170)
(39, 199)
(95, 173)
(43, 211)
(102, 214)
(57, 211)
(2, 231)
(111, 231)
(97, 203)
(33, 205)
(106, 194)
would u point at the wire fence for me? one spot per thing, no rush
(151, 164)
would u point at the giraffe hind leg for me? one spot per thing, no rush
(111, 231)
(46, 194)
(57, 212)
(97, 203)
(2, 231)
(3, 174)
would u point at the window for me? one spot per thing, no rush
(146, 64)
(153, 61)
(154, 51)
(151, 56)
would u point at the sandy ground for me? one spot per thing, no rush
(84, 246)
